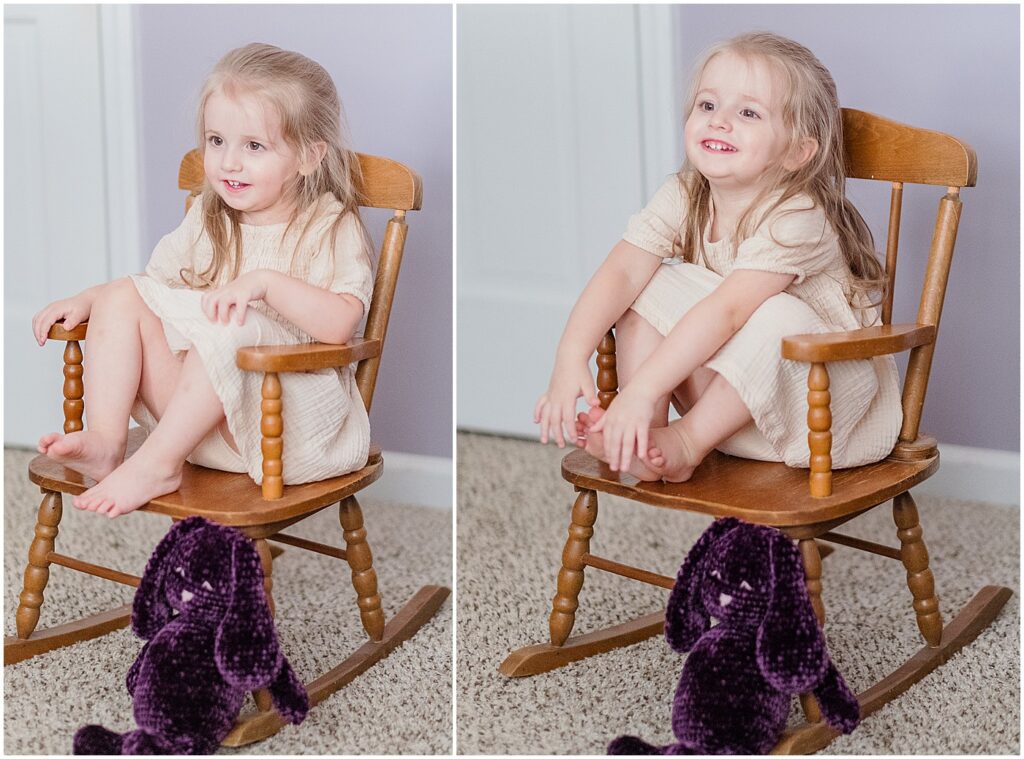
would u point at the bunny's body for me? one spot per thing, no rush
(190, 679)
(740, 675)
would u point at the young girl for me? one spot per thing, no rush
(272, 252)
(751, 241)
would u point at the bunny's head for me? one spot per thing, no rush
(750, 577)
(212, 575)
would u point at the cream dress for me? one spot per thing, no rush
(793, 239)
(326, 428)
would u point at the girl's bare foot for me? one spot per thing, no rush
(89, 453)
(133, 484)
(594, 444)
(672, 455)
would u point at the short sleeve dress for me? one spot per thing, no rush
(326, 428)
(794, 239)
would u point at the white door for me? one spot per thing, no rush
(59, 236)
(565, 127)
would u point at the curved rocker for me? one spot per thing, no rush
(257, 725)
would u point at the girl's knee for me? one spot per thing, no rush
(786, 315)
(120, 293)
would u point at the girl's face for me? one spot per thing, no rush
(247, 161)
(735, 135)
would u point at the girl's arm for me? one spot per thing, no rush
(608, 294)
(73, 311)
(323, 315)
(693, 340)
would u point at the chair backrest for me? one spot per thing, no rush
(880, 149)
(382, 183)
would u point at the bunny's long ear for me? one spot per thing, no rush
(150, 610)
(685, 619)
(790, 646)
(246, 649)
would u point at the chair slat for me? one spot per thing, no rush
(385, 183)
(892, 245)
(878, 148)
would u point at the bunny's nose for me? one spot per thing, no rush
(723, 600)
(186, 596)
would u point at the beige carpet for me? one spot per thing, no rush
(513, 510)
(402, 705)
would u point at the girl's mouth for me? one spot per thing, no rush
(233, 186)
(716, 146)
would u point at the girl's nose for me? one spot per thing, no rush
(231, 159)
(719, 121)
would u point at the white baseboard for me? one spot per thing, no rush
(414, 478)
(975, 474)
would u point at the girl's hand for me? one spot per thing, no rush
(556, 410)
(218, 304)
(73, 311)
(626, 425)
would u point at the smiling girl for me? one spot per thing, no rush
(272, 252)
(751, 241)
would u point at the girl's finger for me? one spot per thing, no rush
(641, 443)
(240, 308)
(544, 415)
(536, 409)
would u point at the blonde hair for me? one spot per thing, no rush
(810, 110)
(306, 101)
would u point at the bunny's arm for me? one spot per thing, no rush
(839, 706)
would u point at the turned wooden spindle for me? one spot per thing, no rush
(914, 555)
(74, 406)
(37, 573)
(607, 376)
(812, 577)
(272, 445)
(262, 696)
(819, 439)
(570, 576)
(360, 560)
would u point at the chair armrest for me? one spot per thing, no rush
(858, 343)
(57, 332)
(304, 358)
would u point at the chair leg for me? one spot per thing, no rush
(570, 576)
(914, 555)
(37, 573)
(262, 696)
(364, 578)
(812, 574)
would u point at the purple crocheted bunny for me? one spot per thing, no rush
(741, 674)
(210, 639)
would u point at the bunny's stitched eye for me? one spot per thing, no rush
(745, 585)
(207, 585)
(180, 571)
(716, 573)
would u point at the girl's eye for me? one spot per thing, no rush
(254, 146)
(706, 105)
(216, 141)
(745, 585)
(747, 113)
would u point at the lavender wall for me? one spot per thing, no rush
(955, 69)
(393, 67)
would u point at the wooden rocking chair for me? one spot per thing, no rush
(776, 495)
(233, 499)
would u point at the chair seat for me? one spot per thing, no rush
(757, 491)
(224, 497)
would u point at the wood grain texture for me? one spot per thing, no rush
(914, 555)
(37, 572)
(272, 442)
(879, 148)
(607, 372)
(360, 561)
(224, 497)
(858, 343)
(819, 438)
(74, 390)
(757, 491)
(305, 358)
(384, 183)
(86, 628)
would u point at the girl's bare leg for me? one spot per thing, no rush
(635, 340)
(718, 414)
(155, 469)
(127, 356)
